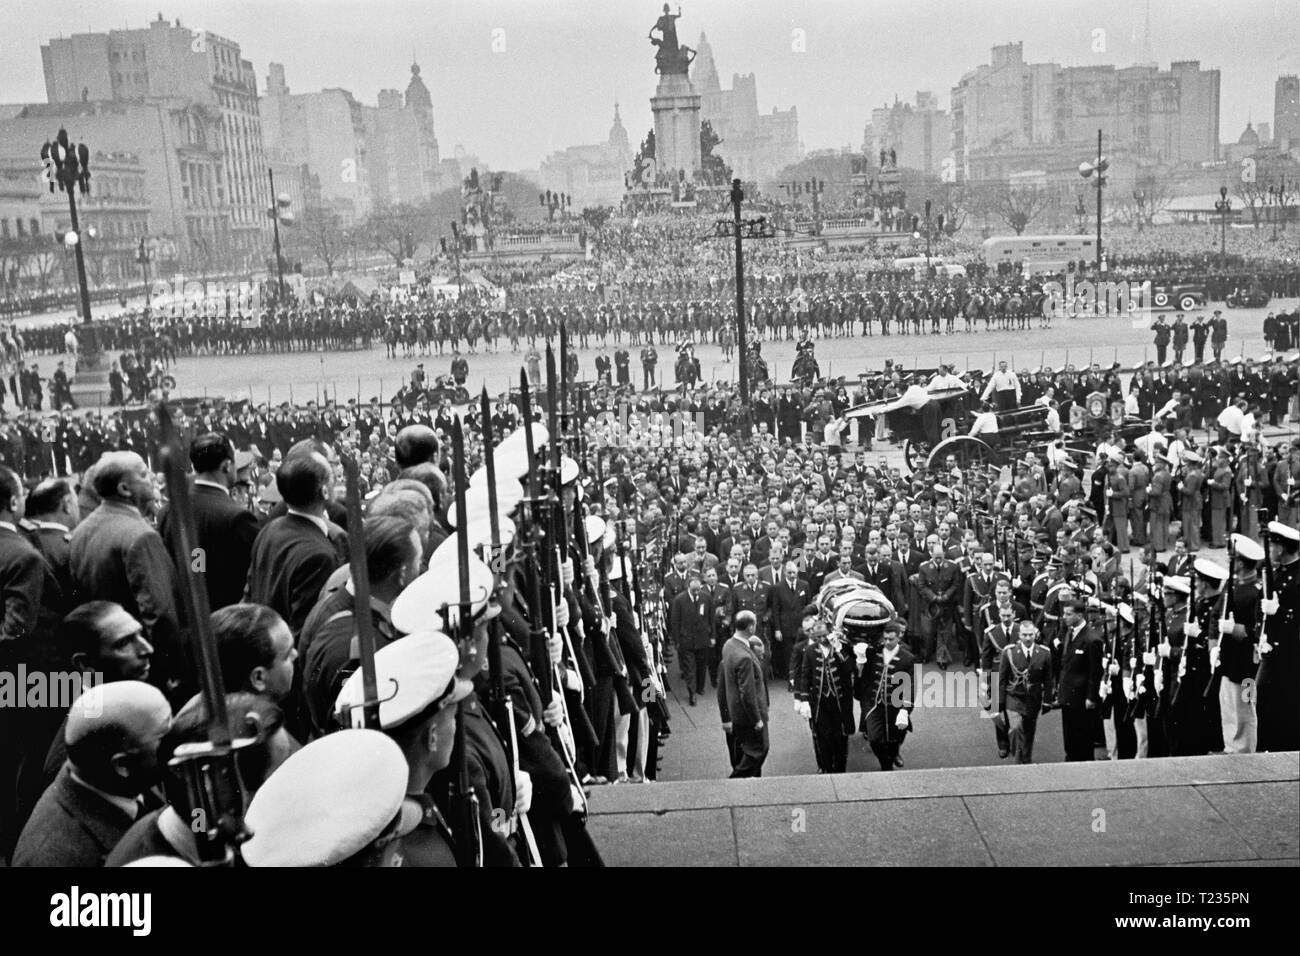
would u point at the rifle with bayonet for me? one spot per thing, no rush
(215, 793)
(1262, 646)
(499, 705)
(1225, 614)
(469, 840)
(540, 572)
(361, 590)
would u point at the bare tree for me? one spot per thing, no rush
(1017, 206)
(398, 230)
(1253, 195)
(320, 233)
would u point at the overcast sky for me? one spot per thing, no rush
(559, 64)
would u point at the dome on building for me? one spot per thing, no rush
(1249, 137)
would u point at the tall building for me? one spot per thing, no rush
(920, 134)
(755, 145)
(197, 72)
(592, 175)
(1008, 106)
(1286, 112)
(404, 164)
(177, 144)
(326, 132)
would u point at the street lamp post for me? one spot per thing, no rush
(275, 220)
(68, 165)
(144, 257)
(741, 229)
(1223, 207)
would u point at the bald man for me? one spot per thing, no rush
(116, 555)
(112, 735)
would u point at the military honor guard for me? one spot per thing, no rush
(1024, 690)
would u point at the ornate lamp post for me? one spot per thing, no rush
(1223, 207)
(67, 165)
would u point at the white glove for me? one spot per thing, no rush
(1182, 667)
(1192, 629)
(901, 721)
(1226, 626)
(805, 710)
(1113, 670)
(1214, 658)
(860, 652)
(1269, 606)
(553, 715)
(572, 681)
(1015, 582)
(1127, 684)
(1149, 657)
(562, 615)
(1160, 681)
(589, 567)
(566, 572)
(1264, 646)
(1164, 649)
(523, 791)
(555, 645)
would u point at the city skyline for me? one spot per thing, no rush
(515, 81)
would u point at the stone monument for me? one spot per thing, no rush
(676, 105)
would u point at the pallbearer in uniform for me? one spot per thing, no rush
(824, 694)
(1277, 702)
(1236, 651)
(1024, 685)
(885, 693)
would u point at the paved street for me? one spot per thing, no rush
(309, 375)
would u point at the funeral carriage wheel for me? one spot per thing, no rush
(967, 449)
(168, 382)
(914, 453)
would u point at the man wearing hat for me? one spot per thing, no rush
(885, 695)
(1277, 704)
(1236, 651)
(417, 688)
(1191, 501)
(337, 801)
(1193, 724)
(1220, 495)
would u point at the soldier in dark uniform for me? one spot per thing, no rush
(1277, 704)
(1024, 686)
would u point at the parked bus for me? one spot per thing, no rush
(1039, 253)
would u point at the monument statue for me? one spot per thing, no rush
(670, 57)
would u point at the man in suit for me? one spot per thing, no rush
(878, 574)
(224, 532)
(742, 700)
(294, 555)
(885, 695)
(1078, 680)
(720, 595)
(50, 514)
(786, 602)
(939, 586)
(1024, 682)
(33, 604)
(116, 555)
(691, 623)
(822, 562)
(1180, 562)
(112, 736)
(845, 570)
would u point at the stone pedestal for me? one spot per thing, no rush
(676, 106)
